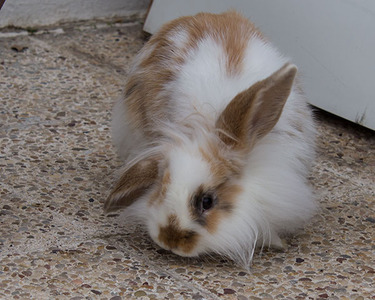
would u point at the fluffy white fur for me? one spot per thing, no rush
(276, 197)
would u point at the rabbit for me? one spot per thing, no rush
(217, 138)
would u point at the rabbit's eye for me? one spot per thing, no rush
(207, 202)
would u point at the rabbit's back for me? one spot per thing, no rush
(195, 66)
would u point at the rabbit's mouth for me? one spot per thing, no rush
(177, 250)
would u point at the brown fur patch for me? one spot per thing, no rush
(226, 195)
(221, 167)
(158, 195)
(174, 237)
(133, 183)
(225, 199)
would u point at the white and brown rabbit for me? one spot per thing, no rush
(218, 140)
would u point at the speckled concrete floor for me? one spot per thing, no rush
(57, 164)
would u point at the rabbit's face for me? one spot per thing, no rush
(194, 194)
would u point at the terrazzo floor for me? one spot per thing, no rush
(57, 164)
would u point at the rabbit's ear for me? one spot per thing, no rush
(254, 112)
(133, 184)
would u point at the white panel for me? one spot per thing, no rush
(332, 42)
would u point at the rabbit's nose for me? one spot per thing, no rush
(177, 239)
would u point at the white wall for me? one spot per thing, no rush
(28, 13)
